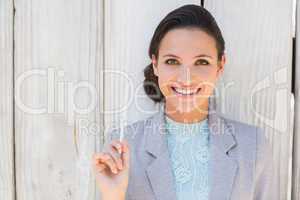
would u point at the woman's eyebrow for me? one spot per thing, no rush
(201, 55)
(170, 55)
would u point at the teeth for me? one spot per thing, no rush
(185, 91)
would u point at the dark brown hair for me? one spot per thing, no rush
(187, 16)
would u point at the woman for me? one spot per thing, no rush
(187, 150)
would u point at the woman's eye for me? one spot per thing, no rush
(171, 62)
(202, 62)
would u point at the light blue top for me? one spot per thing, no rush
(188, 145)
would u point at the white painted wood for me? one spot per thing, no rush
(258, 37)
(61, 42)
(6, 101)
(296, 155)
(53, 149)
(129, 26)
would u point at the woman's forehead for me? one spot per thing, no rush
(188, 42)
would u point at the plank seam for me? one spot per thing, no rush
(15, 196)
(103, 67)
(293, 82)
(202, 3)
(295, 172)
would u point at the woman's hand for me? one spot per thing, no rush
(111, 168)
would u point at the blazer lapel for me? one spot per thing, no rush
(159, 171)
(223, 168)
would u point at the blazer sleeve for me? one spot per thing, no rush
(265, 179)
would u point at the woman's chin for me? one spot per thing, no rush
(186, 108)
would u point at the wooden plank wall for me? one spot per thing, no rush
(6, 101)
(256, 86)
(69, 53)
(296, 156)
(58, 49)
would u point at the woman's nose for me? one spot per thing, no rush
(184, 75)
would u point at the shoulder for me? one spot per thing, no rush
(246, 133)
(255, 158)
(251, 141)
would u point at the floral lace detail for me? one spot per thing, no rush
(182, 173)
(189, 154)
(201, 154)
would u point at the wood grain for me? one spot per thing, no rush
(58, 62)
(256, 86)
(64, 46)
(6, 101)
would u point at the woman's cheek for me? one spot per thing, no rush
(163, 85)
(209, 87)
(165, 74)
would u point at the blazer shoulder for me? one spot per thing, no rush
(242, 131)
(248, 136)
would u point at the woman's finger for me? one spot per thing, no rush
(115, 154)
(118, 145)
(100, 167)
(97, 165)
(106, 159)
(125, 154)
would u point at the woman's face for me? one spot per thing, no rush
(187, 68)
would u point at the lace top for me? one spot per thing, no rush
(188, 146)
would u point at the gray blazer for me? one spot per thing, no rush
(241, 161)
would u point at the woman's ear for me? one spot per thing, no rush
(221, 66)
(154, 65)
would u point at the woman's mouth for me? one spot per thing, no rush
(185, 92)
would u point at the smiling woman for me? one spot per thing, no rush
(187, 81)
(222, 159)
(188, 57)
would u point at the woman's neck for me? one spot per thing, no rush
(196, 115)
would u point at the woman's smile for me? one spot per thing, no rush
(185, 93)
